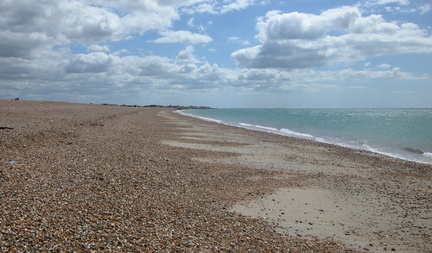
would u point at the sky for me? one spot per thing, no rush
(224, 54)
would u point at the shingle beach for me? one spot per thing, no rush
(79, 177)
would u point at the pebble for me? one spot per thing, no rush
(119, 189)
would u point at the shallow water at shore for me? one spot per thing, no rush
(400, 133)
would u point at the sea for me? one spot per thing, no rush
(400, 133)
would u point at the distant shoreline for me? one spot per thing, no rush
(178, 107)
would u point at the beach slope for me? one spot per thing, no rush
(77, 177)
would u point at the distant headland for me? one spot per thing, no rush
(178, 107)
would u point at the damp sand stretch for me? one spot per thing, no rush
(77, 177)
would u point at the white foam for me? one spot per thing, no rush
(427, 154)
(245, 124)
(374, 150)
(182, 113)
(322, 140)
(199, 117)
(297, 134)
(266, 128)
(258, 127)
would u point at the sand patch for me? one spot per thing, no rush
(365, 201)
(326, 215)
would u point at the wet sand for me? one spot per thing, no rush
(103, 178)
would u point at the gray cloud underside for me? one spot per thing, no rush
(182, 73)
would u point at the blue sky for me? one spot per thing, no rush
(227, 53)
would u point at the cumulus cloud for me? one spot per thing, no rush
(98, 48)
(201, 28)
(182, 37)
(236, 5)
(300, 40)
(391, 74)
(89, 63)
(396, 6)
(191, 22)
(384, 66)
(101, 75)
(237, 40)
(425, 8)
(21, 45)
(30, 28)
(294, 25)
(400, 2)
(220, 7)
(186, 56)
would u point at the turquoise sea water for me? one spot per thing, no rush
(401, 133)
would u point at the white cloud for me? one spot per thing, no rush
(425, 8)
(96, 62)
(30, 28)
(105, 77)
(294, 25)
(201, 8)
(186, 56)
(384, 66)
(300, 40)
(235, 39)
(92, 23)
(400, 2)
(396, 6)
(98, 48)
(182, 37)
(236, 5)
(220, 7)
(200, 28)
(386, 4)
(391, 74)
(191, 22)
